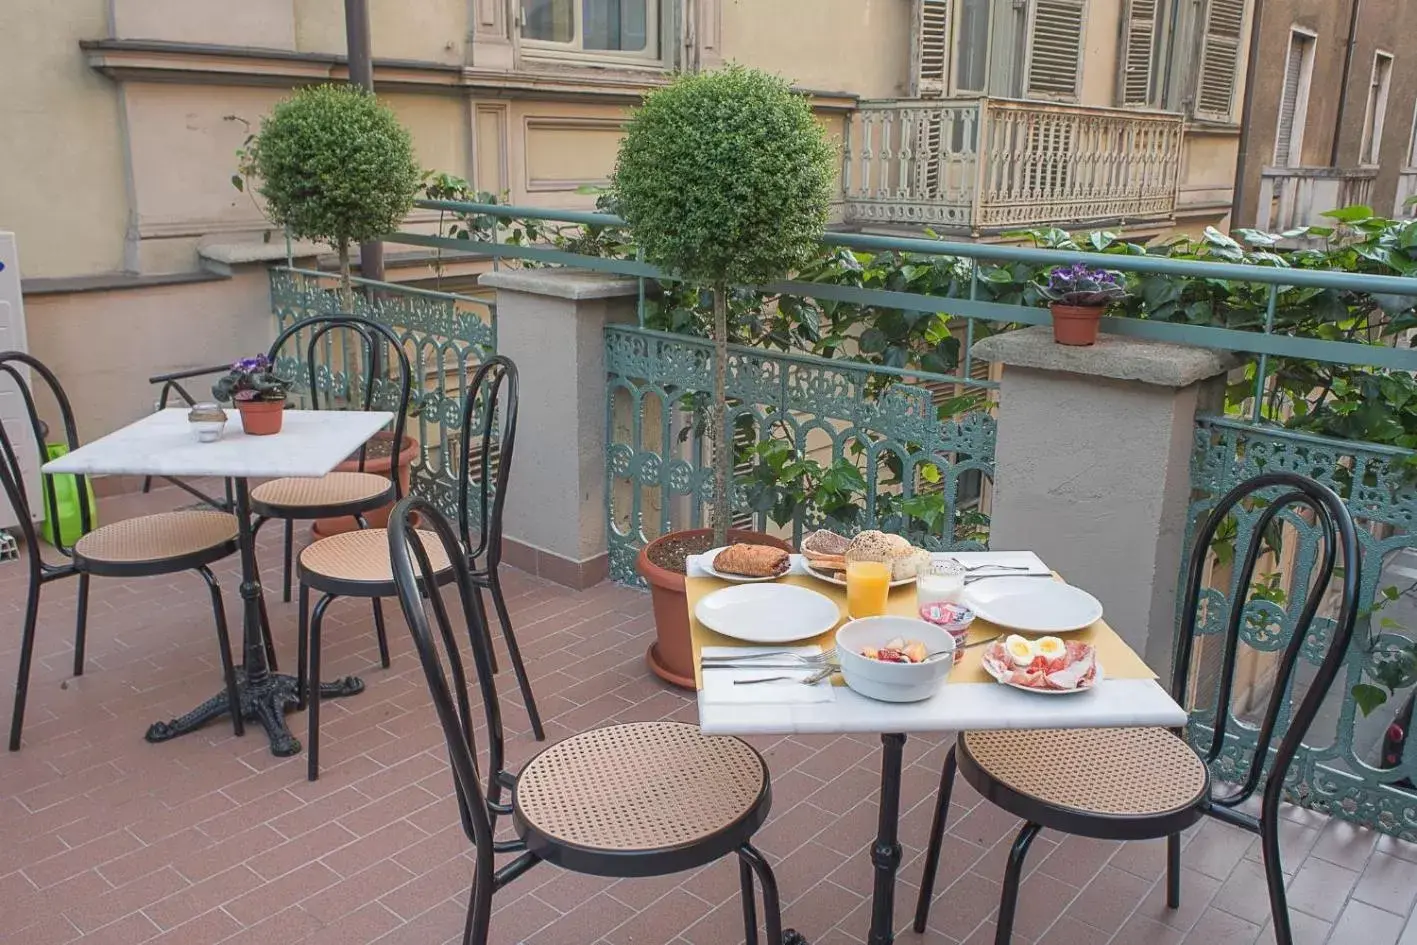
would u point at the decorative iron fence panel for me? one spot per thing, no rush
(659, 474)
(445, 335)
(1341, 769)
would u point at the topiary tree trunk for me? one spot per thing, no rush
(720, 441)
(346, 284)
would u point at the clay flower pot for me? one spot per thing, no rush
(1076, 324)
(377, 460)
(261, 417)
(671, 656)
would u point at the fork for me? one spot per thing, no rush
(806, 659)
(987, 567)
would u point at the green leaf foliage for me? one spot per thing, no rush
(725, 177)
(335, 165)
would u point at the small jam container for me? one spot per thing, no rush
(207, 422)
(950, 617)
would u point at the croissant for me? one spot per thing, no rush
(752, 560)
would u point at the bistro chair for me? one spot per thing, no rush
(631, 800)
(148, 546)
(356, 563)
(355, 492)
(1148, 783)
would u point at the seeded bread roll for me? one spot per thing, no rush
(903, 557)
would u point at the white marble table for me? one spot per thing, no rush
(311, 443)
(956, 707)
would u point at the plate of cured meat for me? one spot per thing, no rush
(1049, 666)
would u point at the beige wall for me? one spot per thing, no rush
(62, 186)
(427, 30)
(857, 46)
(105, 345)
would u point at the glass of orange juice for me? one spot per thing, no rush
(868, 584)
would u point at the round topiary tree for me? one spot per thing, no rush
(334, 165)
(725, 178)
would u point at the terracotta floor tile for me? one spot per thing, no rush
(1367, 925)
(588, 921)
(276, 895)
(1245, 893)
(1388, 883)
(1197, 892)
(1215, 927)
(1306, 929)
(1109, 899)
(1345, 844)
(1320, 888)
(1139, 930)
(661, 921)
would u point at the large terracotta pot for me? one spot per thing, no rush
(261, 417)
(379, 465)
(1076, 324)
(671, 656)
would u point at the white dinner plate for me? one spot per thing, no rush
(706, 562)
(839, 577)
(1097, 678)
(1032, 605)
(767, 613)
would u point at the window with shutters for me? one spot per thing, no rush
(1009, 48)
(1376, 112)
(1055, 49)
(1218, 66)
(930, 78)
(1294, 99)
(1136, 60)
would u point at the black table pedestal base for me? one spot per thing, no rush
(265, 702)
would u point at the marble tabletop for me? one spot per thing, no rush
(1113, 703)
(311, 443)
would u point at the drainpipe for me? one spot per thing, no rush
(361, 73)
(1247, 109)
(1343, 82)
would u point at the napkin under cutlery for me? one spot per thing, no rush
(719, 682)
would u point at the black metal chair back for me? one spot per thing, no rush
(13, 459)
(371, 341)
(438, 651)
(491, 408)
(1280, 490)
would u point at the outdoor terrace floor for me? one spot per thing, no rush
(107, 839)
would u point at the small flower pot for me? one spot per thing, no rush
(261, 417)
(1076, 324)
(671, 656)
(379, 459)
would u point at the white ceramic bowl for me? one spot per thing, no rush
(893, 682)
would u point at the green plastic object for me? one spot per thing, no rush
(65, 489)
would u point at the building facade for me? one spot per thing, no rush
(1332, 120)
(968, 117)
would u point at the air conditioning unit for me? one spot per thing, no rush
(13, 413)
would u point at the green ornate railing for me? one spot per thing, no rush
(1340, 769)
(886, 421)
(445, 335)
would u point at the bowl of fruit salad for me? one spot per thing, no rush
(894, 659)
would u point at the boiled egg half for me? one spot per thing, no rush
(1020, 649)
(1050, 648)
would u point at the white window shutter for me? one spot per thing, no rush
(1137, 54)
(1055, 49)
(1284, 155)
(1217, 74)
(930, 52)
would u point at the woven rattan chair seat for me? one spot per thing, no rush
(158, 538)
(337, 488)
(1129, 772)
(362, 557)
(639, 787)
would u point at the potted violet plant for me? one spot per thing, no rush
(258, 393)
(1079, 294)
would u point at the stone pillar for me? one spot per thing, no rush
(1093, 467)
(550, 323)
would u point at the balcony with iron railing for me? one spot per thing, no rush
(982, 164)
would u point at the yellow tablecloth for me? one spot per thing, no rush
(1118, 659)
